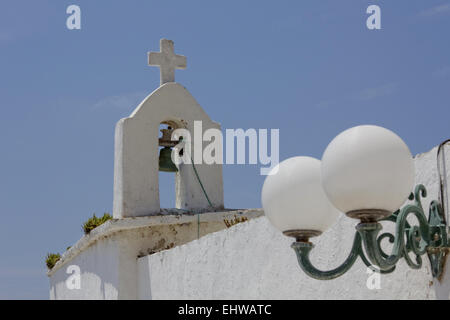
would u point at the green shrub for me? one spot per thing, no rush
(52, 259)
(94, 222)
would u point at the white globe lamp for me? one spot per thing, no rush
(294, 200)
(367, 172)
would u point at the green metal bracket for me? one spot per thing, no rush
(428, 237)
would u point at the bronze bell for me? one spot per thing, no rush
(165, 160)
(165, 154)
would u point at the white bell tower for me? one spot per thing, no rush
(136, 167)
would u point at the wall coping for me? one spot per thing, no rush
(165, 217)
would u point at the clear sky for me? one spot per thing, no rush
(309, 68)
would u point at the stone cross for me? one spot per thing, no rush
(167, 61)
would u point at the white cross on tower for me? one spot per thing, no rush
(167, 61)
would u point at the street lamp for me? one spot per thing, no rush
(367, 172)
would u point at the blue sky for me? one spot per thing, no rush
(309, 68)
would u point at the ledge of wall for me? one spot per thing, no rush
(209, 222)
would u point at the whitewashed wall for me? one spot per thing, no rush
(107, 258)
(253, 260)
(99, 265)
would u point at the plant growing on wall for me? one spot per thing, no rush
(51, 259)
(234, 221)
(94, 222)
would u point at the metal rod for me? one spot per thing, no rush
(443, 194)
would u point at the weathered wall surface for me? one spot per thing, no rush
(253, 260)
(107, 258)
(99, 265)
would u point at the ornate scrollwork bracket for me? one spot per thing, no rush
(428, 237)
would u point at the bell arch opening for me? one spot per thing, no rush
(168, 171)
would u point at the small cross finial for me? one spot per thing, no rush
(167, 61)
